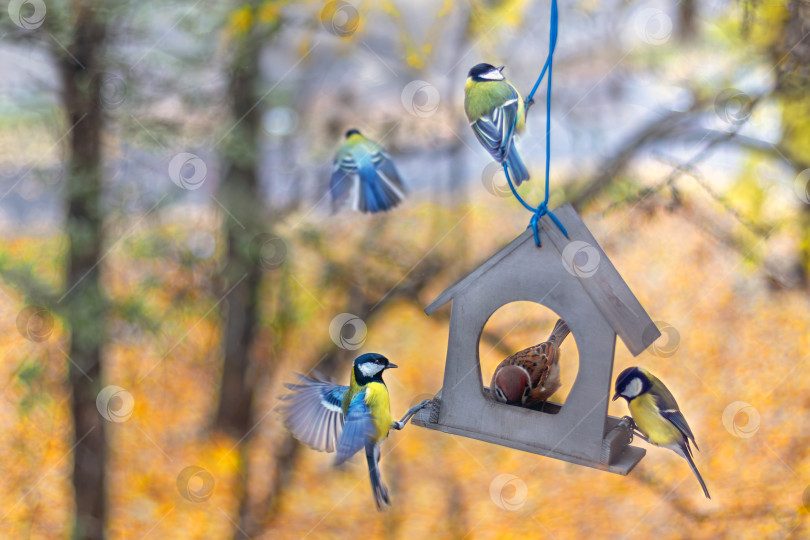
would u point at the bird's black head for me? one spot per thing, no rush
(352, 132)
(370, 366)
(485, 72)
(631, 383)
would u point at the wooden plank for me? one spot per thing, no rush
(604, 285)
(622, 464)
(609, 291)
(617, 438)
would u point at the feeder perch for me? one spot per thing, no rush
(574, 278)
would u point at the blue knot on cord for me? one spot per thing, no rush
(537, 213)
(542, 208)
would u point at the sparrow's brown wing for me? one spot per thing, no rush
(540, 361)
(536, 360)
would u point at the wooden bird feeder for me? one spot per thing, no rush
(574, 278)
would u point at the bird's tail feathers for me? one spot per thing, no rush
(378, 489)
(560, 332)
(686, 452)
(376, 192)
(517, 169)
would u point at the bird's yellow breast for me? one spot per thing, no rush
(380, 404)
(378, 401)
(480, 98)
(655, 427)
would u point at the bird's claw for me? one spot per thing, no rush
(633, 431)
(399, 424)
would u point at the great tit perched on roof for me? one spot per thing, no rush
(330, 417)
(531, 375)
(656, 414)
(362, 166)
(492, 104)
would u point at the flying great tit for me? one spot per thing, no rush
(531, 375)
(362, 166)
(330, 417)
(656, 414)
(492, 104)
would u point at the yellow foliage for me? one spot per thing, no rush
(768, 23)
(240, 21)
(270, 12)
(389, 7)
(447, 7)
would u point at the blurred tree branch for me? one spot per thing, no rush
(655, 130)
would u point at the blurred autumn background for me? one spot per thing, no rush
(169, 259)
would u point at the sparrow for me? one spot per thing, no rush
(656, 414)
(531, 375)
(496, 113)
(363, 168)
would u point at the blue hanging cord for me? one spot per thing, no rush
(542, 208)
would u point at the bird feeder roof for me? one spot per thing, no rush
(616, 302)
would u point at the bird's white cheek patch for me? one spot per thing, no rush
(369, 370)
(633, 389)
(493, 75)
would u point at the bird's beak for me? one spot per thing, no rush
(501, 68)
(616, 396)
(392, 365)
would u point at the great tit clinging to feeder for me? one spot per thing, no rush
(656, 414)
(492, 104)
(330, 417)
(531, 375)
(363, 168)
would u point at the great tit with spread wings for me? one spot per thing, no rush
(656, 414)
(493, 106)
(330, 417)
(362, 168)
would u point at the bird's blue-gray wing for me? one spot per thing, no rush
(358, 429)
(313, 414)
(677, 419)
(380, 187)
(344, 173)
(494, 131)
(385, 167)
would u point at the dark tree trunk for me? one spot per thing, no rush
(687, 23)
(241, 196)
(81, 84)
